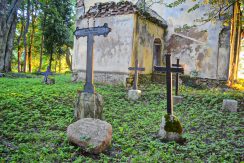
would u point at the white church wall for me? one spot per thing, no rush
(112, 54)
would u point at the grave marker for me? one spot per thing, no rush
(89, 103)
(169, 70)
(90, 33)
(170, 128)
(177, 76)
(46, 74)
(136, 69)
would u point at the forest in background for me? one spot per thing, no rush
(43, 35)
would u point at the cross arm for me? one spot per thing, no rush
(134, 68)
(94, 31)
(172, 69)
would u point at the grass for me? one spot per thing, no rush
(34, 118)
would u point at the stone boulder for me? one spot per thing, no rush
(170, 129)
(230, 105)
(89, 105)
(92, 135)
(134, 95)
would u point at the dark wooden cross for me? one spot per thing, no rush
(177, 76)
(136, 69)
(169, 70)
(47, 73)
(90, 33)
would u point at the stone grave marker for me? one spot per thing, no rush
(135, 94)
(1, 75)
(230, 105)
(177, 99)
(90, 132)
(46, 79)
(171, 128)
(90, 103)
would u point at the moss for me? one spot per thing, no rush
(172, 125)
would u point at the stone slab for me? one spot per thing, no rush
(134, 95)
(177, 100)
(92, 135)
(89, 105)
(230, 105)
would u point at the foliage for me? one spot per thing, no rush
(218, 9)
(34, 118)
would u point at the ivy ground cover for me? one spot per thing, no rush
(34, 118)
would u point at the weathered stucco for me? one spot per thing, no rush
(203, 49)
(111, 53)
(145, 34)
(131, 37)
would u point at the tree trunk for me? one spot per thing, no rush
(7, 32)
(42, 41)
(26, 30)
(50, 60)
(60, 64)
(19, 46)
(68, 61)
(32, 38)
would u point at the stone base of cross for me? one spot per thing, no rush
(135, 94)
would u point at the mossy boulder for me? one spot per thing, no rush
(172, 124)
(170, 129)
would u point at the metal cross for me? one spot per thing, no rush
(168, 69)
(47, 73)
(136, 69)
(90, 33)
(177, 76)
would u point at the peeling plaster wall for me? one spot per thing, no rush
(198, 47)
(146, 33)
(204, 49)
(111, 53)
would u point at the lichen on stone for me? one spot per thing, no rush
(172, 124)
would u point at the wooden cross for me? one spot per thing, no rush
(177, 76)
(136, 69)
(90, 33)
(47, 73)
(168, 69)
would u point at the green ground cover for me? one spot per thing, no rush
(34, 118)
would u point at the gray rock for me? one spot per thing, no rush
(92, 135)
(177, 100)
(168, 136)
(134, 95)
(89, 105)
(49, 81)
(230, 105)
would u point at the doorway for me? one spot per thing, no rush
(157, 48)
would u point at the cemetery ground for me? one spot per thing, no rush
(34, 118)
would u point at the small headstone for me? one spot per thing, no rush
(92, 135)
(230, 105)
(89, 105)
(134, 95)
(177, 100)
